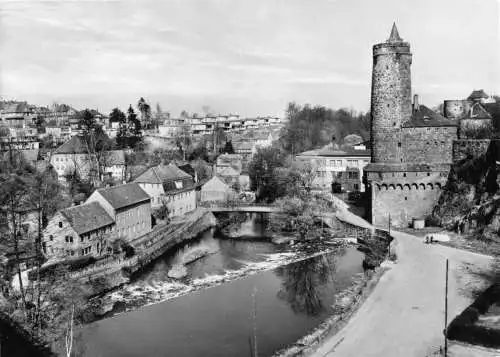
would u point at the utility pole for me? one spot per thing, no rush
(446, 313)
(254, 295)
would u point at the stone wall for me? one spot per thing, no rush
(391, 99)
(469, 127)
(405, 196)
(428, 145)
(456, 109)
(465, 148)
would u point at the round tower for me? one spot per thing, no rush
(391, 97)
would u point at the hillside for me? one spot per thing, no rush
(470, 202)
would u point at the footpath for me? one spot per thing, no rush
(404, 315)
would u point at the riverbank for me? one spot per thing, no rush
(134, 297)
(148, 248)
(349, 302)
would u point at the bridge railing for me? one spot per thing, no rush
(234, 204)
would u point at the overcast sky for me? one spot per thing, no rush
(242, 56)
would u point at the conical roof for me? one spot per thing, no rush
(394, 37)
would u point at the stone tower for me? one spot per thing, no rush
(391, 97)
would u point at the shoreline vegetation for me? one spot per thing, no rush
(97, 306)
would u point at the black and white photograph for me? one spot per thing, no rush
(249, 178)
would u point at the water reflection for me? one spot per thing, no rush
(304, 282)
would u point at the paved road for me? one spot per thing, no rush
(404, 314)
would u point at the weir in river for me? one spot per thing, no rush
(290, 301)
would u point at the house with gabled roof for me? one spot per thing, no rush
(75, 155)
(84, 230)
(167, 184)
(113, 163)
(71, 156)
(216, 190)
(129, 206)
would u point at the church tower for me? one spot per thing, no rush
(390, 98)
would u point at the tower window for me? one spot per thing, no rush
(428, 174)
(406, 198)
(404, 175)
(399, 145)
(387, 105)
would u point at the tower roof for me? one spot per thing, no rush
(394, 37)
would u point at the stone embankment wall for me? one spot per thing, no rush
(404, 195)
(469, 148)
(147, 248)
(470, 202)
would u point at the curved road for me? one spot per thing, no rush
(403, 316)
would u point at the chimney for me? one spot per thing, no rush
(415, 103)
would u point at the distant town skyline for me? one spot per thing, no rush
(240, 56)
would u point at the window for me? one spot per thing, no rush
(428, 174)
(404, 175)
(51, 237)
(399, 145)
(60, 224)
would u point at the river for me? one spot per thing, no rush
(278, 306)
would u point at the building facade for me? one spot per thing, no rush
(129, 207)
(84, 230)
(167, 184)
(215, 190)
(411, 144)
(331, 165)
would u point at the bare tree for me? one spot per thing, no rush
(69, 333)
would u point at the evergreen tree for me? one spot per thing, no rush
(135, 127)
(228, 148)
(117, 116)
(145, 110)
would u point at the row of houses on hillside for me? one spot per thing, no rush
(206, 125)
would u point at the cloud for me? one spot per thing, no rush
(327, 79)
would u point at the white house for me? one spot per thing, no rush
(169, 184)
(84, 230)
(114, 164)
(216, 190)
(71, 156)
(329, 163)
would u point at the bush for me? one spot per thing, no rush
(463, 327)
